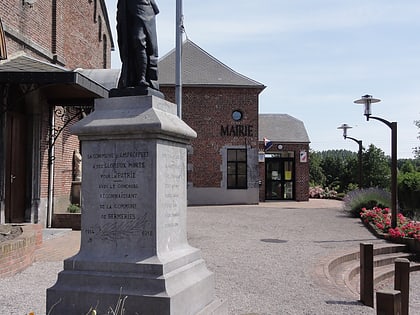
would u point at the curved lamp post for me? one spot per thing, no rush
(367, 100)
(344, 127)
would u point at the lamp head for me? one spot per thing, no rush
(344, 127)
(367, 100)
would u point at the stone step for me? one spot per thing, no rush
(383, 270)
(388, 248)
(343, 271)
(349, 262)
(351, 273)
(386, 272)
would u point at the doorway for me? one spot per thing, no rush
(15, 175)
(279, 179)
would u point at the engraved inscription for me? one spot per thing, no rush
(119, 175)
(174, 165)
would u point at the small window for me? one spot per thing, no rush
(237, 169)
(95, 9)
(100, 28)
(105, 52)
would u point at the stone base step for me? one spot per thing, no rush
(343, 271)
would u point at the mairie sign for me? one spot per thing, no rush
(237, 131)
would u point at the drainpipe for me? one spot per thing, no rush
(51, 168)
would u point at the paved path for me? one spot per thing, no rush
(264, 258)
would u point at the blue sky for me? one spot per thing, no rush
(315, 57)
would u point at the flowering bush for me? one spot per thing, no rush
(366, 198)
(319, 192)
(316, 192)
(381, 220)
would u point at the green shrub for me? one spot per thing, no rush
(73, 208)
(409, 193)
(368, 198)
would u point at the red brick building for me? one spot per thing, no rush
(284, 160)
(227, 163)
(43, 44)
(221, 105)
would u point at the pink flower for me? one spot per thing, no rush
(379, 225)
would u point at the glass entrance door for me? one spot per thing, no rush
(279, 179)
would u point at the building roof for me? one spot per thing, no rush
(201, 69)
(281, 127)
(60, 83)
(108, 78)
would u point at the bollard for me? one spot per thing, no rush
(388, 302)
(366, 274)
(402, 282)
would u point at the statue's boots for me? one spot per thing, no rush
(141, 66)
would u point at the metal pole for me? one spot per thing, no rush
(178, 56)
(51, 157)
(360, 164)
(394, 183)
(359, 142)
(394, 197)
(368, 100)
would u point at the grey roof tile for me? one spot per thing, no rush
(24, 69)
(282, 127)
(108, 78)
(202, 69)
(25, 63)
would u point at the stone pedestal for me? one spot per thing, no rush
(134, 237)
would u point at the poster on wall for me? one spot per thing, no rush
(261, 157)
(303, 157)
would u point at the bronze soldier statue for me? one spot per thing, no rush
(137, 41)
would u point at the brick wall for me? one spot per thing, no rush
(64, 147)
(80, 31)
(17, 254)
(79, 38)
(33, 23)
(206, 110)
(44, 143)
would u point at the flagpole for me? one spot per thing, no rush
(178, 57)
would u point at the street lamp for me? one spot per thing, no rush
(344, 127)
(367, 100)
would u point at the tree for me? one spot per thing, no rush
(316, 173)
(407, 167)
(416, 150)
(376, 168)
(334, 169)
(332, 164)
